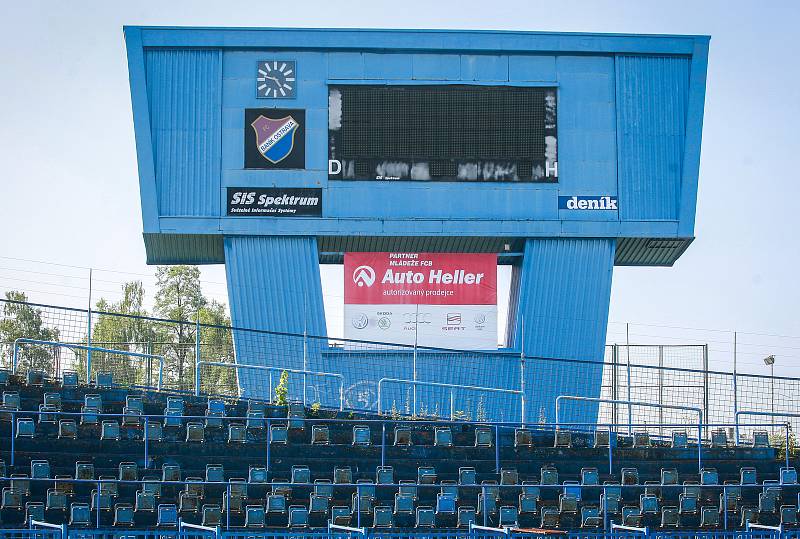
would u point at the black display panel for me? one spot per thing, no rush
(442, 132)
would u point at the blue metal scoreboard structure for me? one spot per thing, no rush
(275, 150)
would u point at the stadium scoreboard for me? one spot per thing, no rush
(442, 132)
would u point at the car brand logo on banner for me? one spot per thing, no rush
(274, 202)
(274, 138)
(364, 275)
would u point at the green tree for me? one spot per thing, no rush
(217, 345)
(179, 297)
(130, 332)
(22, 320)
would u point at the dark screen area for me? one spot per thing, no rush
(442, 122)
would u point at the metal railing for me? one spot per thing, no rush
(452, 388)
(305, 373)
(88, 348)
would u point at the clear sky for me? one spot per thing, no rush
(68, 180)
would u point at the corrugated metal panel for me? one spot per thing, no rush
(273, 284)
(652, 94)
(650, 251)
(184, 95)
(184, 249)
(564, 294)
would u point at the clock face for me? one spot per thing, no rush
(276, 79)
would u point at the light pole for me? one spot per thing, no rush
(770, 360)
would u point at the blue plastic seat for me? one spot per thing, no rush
(403, 504)
(167, 515)
(301, 474)
(298, 516)
(590, 517)
(426, 518)
(361, 435)
(79, 514)
(508, 516)
(26, 428)
(466, 516)
(383, 517)
(123, 515)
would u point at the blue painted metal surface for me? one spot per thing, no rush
(652, 96)
(273, 283)
(184, 94)
(630, 113)
(561, 295)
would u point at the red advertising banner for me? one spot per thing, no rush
(420, 278)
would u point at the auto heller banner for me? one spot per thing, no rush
(444, 300)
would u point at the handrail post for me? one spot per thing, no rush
(725, 507)
(228, 507)
(197, 357)
(341, 394)
(380, 382)
(13, 434)
(146, 462)
(269, 443)
(452, 406)
(787, 444)
(98, 505)
(89, 333)
(383, 443)
(497, 448)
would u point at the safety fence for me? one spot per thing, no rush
(503, 385)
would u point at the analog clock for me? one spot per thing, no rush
(276, 79)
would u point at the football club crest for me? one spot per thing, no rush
(274, 138)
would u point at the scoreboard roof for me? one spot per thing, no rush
(259, 131)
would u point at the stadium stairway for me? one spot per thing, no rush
(80, 457)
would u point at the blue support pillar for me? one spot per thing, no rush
(274, 285)
(559, 309)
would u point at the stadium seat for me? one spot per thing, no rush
(21, 483)
(26, 428)
(631, 516)
(342, 475)
(128, 471)
(641, 439)
(550, 517)
(403, 504)
(760, 438)
(426, 517)
(257, 474)
(301, 474)
(788, 476)
(34, 511)
(170, 472)
(123, 515)
(590, 517)
(298, 516)
(104, 380)
(11, 499)
(144, 501)
(84, 470)
(212, 515)
(340, 515)
(323, 488)
(442, 437)
(719, 438)
(527, 504)
(237, 433)
(297, 415)
(467, 475)
(195, 432)
(466, 516)
(648, 504)
(483, 437)
(426, 475)
(384, 475)
(680, 439)
(361, 435)
(131, 417)
(567, 503)
(788, 515)
(79, 514)
(548, 476)
(445, 504)
(509, 476)
(563, 438)
(275, 503)
(256, 420)
(408, 488)
(67, 428)
(40, 469)
(109, 430)
(523, 438)
(383, 517)
(154, 431)
(602, 438)
(215, 473)
(167, 515)
(52, 400)
(508, 516)
(630, 476)
(590, 477)
(487, 504)
(687, 504)
(320, 435)
(194, 487)
(69, 379)
(402, 436)
(748, 514)
(318, 504)
(529, 488)
(215, 413)
(278, 434)
(709, 476)
(188, 503)
(709, 516)
(35, 378)
(747, 476)
(669, 517)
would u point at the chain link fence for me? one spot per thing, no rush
(338, 373)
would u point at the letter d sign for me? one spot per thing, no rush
(334, 167)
